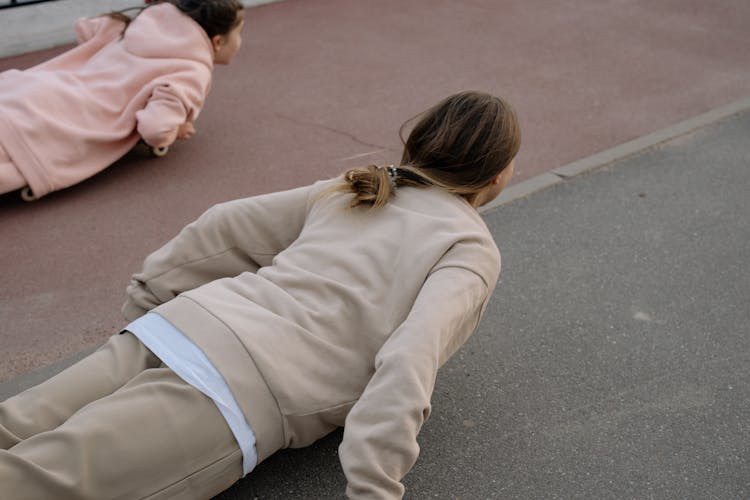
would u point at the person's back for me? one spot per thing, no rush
(106, 88)
(339, 290)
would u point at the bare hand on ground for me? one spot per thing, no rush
(186, 131)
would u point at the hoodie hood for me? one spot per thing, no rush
(163, 31)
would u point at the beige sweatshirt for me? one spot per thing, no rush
(320, 316)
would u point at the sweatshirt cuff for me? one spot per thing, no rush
(132, 311)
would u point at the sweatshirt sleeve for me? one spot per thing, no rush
(228, 239)
(174, 100)
(380, 434)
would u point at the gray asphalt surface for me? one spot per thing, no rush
(613, 359)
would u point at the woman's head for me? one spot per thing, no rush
(465, 144)
(216, 17)
(222, 20)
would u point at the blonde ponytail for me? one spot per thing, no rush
(371, 185)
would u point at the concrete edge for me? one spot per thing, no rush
(522, 190)
(40, 26)
(651, 140)
(603, 158)
(510, 194)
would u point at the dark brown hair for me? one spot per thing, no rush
(216, 17)
(460, 145)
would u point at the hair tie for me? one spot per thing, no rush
(392, 173)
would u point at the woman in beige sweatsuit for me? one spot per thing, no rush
(324, 306)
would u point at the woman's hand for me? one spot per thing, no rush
(186, 131)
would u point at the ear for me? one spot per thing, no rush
(217, 42)
(496, 180)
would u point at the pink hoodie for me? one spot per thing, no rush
(72, 116)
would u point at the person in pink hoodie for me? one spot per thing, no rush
(68, 118)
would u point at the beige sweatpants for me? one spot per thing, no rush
(10, 178)
(117, 425)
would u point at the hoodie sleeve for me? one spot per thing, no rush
(173, 101)
(380, 434)
(228, 239)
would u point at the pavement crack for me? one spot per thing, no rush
(330, 129)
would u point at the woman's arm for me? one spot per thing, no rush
(230, 238)
(175, 100)
(380, 434)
